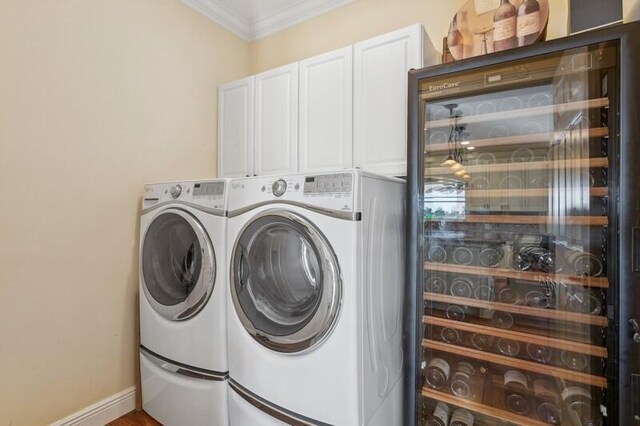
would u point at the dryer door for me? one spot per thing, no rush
(177, 264)
(285, 281)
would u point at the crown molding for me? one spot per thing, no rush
(262, 26)
(295, 14)
(223, 17)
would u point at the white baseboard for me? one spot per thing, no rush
(104, 411)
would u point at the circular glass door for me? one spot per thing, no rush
(285, 281)
(177, 265)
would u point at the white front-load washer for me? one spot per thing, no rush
(183, 286)
(315, 299)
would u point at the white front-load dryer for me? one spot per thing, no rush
(183, 286)
(315, 299)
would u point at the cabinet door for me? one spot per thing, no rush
(235, 128)
(276, 121)
(380, 99)
(326, 111)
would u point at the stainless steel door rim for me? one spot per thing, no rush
(177, 264)
(285, 281)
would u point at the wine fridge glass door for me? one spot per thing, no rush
(518, 275)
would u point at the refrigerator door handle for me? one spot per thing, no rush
(635, 249)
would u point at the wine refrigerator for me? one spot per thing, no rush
(523, 236)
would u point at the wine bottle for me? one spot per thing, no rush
(455, 312)
(579, 400)
(548, 410)
(437, 253)
(462, 417)
(481, 342)
(463, 256)
(584, 301)
(461, 287)
(516, 386)
(484, 292)
(504, 27)
(436, 285)
(440, 415)
(455, 42)
(539, 353)
(437, 374)
(502, 319)
(574, 361)
(490, 257)
(508, 347)
(509, 295)
(528, 22)
(450, 335)
(461, 381)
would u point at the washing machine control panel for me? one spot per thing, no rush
(208, 193)
(208, 189)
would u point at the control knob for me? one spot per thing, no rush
(175, 191)
(279, 187)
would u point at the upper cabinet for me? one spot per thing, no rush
(326, 111)
(235, 128)
(338, 110)
(276, 121)
(380, 99)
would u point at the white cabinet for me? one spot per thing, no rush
(380, 99)
(276, 121)
(338, 110)
(235, 128)
(326, 111)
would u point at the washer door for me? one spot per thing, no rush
(286, 284)
(177, 264)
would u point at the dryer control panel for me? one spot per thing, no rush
(341, 183)
(336, 191)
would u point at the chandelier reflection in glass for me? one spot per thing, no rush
(455, 158)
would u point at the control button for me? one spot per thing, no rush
(264, 188)
(175, 191)
(279, 187)
(297, 186)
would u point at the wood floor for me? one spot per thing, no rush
(134, 418)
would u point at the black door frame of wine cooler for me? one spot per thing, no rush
(624, 404)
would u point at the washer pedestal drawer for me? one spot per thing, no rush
(177, 398)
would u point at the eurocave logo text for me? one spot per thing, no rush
(444, 86)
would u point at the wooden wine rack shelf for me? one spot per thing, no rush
(520, 113)
(521, 140)
(487, 410)
(549, 370)
(599, 282)
(530, 220)
(551, 314)
(568, 345)
(582, 163)
(526, 192)
(572, 332)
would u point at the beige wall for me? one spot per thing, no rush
(367, 18)
(631, 10)
(97, 97)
